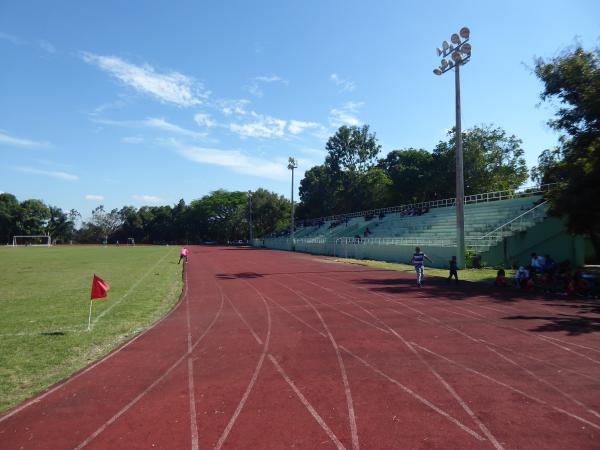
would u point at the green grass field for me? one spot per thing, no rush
(44, 305)
(473, 275)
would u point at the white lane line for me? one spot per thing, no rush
(394, 381)
(415, 395)
(347, 391)
(441, 379)
(130, 290)
(191, 390)
(258, 339)
(252, 382)
(123, 410)
(507, 386)
(572, 343)
(541, 380)
(83, 372)
(307, 404)
(193, 418)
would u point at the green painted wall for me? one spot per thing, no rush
(547, 237)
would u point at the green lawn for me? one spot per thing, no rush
(474, 275)
(44, 304)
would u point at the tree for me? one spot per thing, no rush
(409, 171)
(106, 222)
(219, 216)
(61, 225)
(493, 161)
(352, 149)
(573, 79)
(317, 192)
(270, 212)
(9, 214)
(32, 218)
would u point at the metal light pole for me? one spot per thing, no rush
(293, 164)
(460, 50)
(250, 216)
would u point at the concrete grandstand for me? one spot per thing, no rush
(501, 228)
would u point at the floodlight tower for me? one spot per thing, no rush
(292, 164)
(460, 51)
(250, 216)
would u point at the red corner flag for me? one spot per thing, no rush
(99, 288)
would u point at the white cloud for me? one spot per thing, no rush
(162, 124)
(94, 197)
(11, 38)
(298, 126)
(133, 139)
(262, 127)
(172, 87)
(204, 120)
(47, 46)
(233, 107)
(345, 115)
(21, 142)
(48, 173)
(342, 84)
(146, 198)
(234, 160)
(254, 87)
(157, 123)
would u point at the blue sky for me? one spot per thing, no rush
(134, 103)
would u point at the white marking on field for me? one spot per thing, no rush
(394, 381)
(541, 380)
(123, 410)
(307, 404)
(242, 402)
(129, 291)
(258, 339)
(193, 419)
(518, 391)
(441, 379)
(347, 391)
(83, 372)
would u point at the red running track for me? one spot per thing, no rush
(272, 349)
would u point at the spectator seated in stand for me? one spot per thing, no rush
(357, 237)
(367, 232)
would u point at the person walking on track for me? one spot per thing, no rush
(183, 255)
(418, 260)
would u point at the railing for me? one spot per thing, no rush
(519, 223)
(396, 241)
(475, 198)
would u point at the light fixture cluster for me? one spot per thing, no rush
(292, 163)
(458, 49)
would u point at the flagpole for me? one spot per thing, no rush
(90, 316)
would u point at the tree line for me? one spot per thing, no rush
(355, 176)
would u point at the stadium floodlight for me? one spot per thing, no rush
(292, 164)
(460, 53)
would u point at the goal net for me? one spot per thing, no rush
(33, 241)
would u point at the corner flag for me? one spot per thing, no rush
(99, 288)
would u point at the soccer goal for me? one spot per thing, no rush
(32, 241)
(131, 241)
